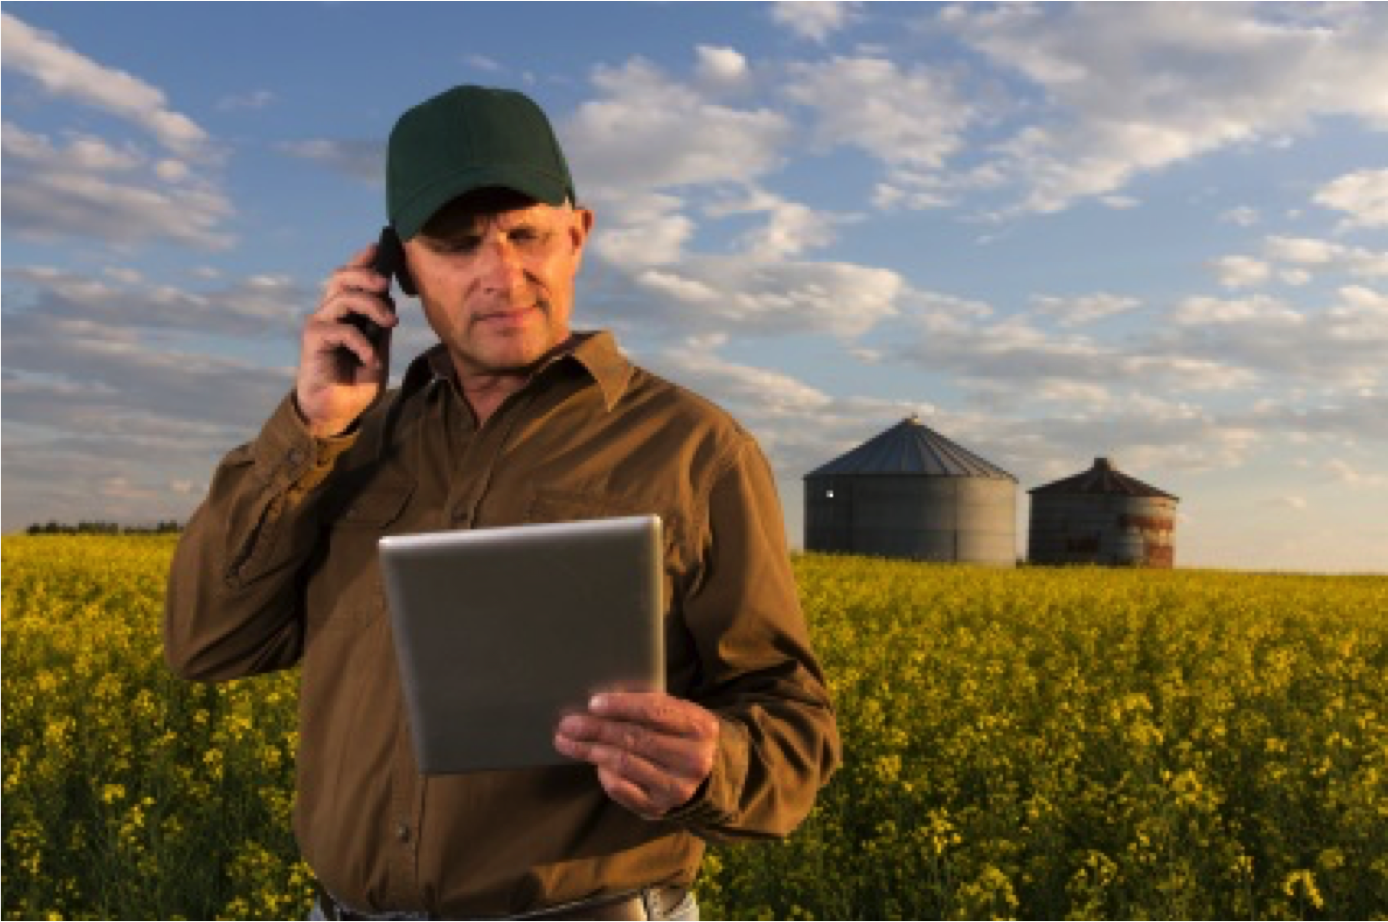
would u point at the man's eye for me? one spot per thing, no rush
(457, 244)
(527, 237)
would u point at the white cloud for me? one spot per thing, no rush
(1084, 309)
(648, 132)
(89, 188)
(1151, 438)
(637, 229)
(911, 119)
(762, 391)
(84, 153)
(1135, 88)
(67, 74)
(1360, 316)
(1309, 253)
(1362, 195)
(1206, 345)
(798, 426)
(721, 66)
(677, 287)
(1342, 418)
(1203, 311)
(1008, 350)
(1303, 251)
(71, 183)
(746, 295)
(112, 393)
(815, 21)
(1361, 300)
(790, 228)
(124, 306)
(173, 171)
(642, 144)
(1241, 271)
(1340, 345)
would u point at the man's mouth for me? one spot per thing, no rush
(506, 317)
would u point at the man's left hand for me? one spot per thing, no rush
(652, 750)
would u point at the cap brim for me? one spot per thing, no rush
(542, 187)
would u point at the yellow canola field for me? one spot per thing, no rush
(1037, 743)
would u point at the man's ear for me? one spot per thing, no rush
(582, 225)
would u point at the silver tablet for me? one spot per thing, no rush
(500, 631)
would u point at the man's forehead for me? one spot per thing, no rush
(479, 209)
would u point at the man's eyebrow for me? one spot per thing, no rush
(473, 225)
(459, 226)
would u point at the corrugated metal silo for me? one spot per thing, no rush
(910, 492)
(1102, 516)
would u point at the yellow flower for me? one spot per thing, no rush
(1305, 882)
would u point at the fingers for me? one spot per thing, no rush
(652, 751)
(641, 784)
(613, 743)
(340, 368)
(352, 293)
(648, 798)
(356, 290)
(337, 327)
(664, 712)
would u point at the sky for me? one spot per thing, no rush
(1154, 233)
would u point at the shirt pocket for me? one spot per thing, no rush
(352, 593)
(549, 505)
(376, 508)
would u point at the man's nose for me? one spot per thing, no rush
(502, 267)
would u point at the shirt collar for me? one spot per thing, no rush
(595, 352)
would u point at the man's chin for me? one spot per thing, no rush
(517, 358)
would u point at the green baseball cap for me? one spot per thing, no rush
(468, 138)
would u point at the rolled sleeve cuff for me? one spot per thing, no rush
(716, 801)
(290, 456)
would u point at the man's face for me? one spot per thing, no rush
(495, 273)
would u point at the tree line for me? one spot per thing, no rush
(104, 528)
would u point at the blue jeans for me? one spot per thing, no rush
(686, 911)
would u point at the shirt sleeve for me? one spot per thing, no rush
(233, 605)
(779, 741)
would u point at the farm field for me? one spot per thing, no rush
(1032, 743)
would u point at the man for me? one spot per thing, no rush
(513, 417)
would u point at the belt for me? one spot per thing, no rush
(648, 903)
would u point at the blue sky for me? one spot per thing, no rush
(1157, 233)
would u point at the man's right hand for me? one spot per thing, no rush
(340, 372)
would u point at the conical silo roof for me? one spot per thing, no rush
(911, 447)
(1102, 478)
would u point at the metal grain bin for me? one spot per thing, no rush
(1102, 516)
(912, 493)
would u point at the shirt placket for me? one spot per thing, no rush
(460, 459)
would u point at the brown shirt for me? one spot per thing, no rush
(278, 567)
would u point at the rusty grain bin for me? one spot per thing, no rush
(912, 493)
(1102, 516)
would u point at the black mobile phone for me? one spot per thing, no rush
(390, 262)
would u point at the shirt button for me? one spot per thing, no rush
(402, 832)
(461, 513)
